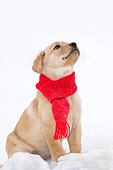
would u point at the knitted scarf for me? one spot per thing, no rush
(56, 92)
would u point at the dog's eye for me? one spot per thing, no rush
(56, 47)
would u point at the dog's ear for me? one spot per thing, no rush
(37, 64)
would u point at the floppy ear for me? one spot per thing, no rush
(37, 64)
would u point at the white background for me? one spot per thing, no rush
(27, 26)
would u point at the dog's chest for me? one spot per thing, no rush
(45, 108)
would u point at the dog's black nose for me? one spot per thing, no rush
(73, 44)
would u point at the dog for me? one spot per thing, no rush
(35, 128)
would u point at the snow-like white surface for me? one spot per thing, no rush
(29, 26)
(97, 155)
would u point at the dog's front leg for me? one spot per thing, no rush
(75, 137)
(55, 146)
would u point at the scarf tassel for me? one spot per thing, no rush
(62, 130)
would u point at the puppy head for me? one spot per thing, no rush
(55, 56)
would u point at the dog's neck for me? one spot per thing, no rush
(56, 73)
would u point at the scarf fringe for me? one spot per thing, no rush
(62, 130)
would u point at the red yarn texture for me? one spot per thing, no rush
(56, 92)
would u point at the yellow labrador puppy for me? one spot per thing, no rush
(35, 130)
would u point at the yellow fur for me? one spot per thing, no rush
(35, 129)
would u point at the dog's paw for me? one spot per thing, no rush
(58, 155)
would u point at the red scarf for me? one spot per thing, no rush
(56, 92)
